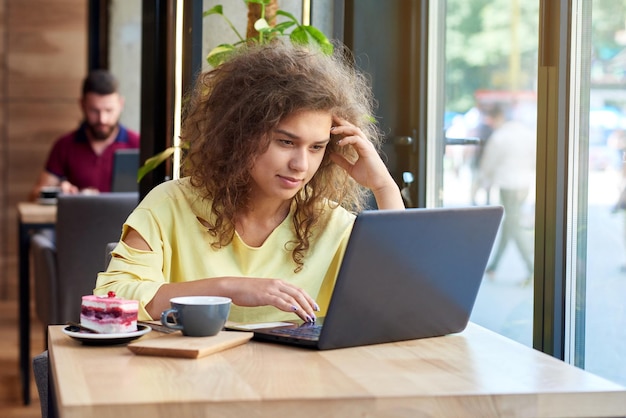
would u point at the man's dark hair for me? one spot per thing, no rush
(100, 82)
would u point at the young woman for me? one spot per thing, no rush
(283, 151)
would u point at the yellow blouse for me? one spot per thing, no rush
(168, 219)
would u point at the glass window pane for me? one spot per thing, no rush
(490, 68)
(601, 327)
(125, 56)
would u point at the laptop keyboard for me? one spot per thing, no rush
(307, 331)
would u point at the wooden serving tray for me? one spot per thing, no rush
(177, 345)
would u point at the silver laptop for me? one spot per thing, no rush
(405, 275)
(125, 167)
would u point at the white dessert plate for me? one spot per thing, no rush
(89, 338)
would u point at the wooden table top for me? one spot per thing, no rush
(475, 373)
(35, 213)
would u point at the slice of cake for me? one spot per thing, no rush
(109, 314)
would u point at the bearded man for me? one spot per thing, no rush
(82, 160)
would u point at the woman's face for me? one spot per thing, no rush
(295, 152)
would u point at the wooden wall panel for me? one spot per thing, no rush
(46, 50)
(2, 48)
(33, 129)
(5, 266)
(42, 15)
(43, 59)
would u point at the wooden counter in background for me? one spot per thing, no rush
(34, 213)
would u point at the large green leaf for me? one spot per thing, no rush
(299, 36)
(215, 10)
(219, 54)
(320, 39)
(152, 162)
(306, 35)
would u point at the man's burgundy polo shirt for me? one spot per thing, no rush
(72, 159)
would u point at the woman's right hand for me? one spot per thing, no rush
(247, 291)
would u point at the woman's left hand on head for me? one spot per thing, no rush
(368, 170)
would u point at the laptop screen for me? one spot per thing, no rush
(125, 166)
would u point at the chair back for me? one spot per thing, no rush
(85, 225)
(44, 256)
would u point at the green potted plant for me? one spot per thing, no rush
(262, 29)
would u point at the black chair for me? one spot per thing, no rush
(41, 370)
(66, 267)
(43, 252)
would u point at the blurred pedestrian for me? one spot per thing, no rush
(508, 163)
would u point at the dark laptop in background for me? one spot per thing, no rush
(405, 275)
(125, 166)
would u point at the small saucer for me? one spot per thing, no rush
(88, 338)
(47, 200)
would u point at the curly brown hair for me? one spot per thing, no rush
(233, 108)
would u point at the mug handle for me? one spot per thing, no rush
(164, 319)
